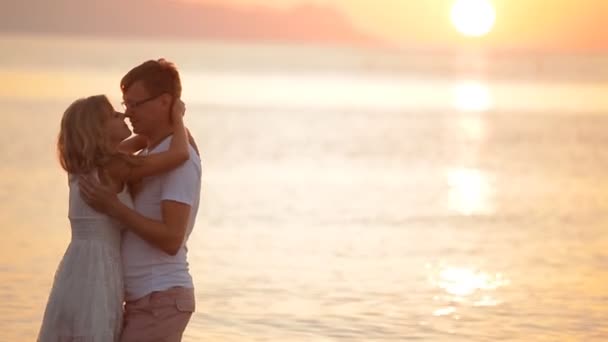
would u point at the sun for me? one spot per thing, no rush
(473, 18)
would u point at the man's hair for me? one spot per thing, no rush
(158, 77)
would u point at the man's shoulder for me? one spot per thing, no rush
(189, 169)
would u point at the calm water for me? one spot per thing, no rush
(339, 206)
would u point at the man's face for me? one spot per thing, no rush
(147, 112)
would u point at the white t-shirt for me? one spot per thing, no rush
(147, 268)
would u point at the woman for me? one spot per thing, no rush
(85, 303)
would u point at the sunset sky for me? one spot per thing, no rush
(566, 25)
(552, 24)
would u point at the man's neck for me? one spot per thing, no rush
(157, 137)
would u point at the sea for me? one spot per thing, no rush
(349, 193)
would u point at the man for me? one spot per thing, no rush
(159, 291)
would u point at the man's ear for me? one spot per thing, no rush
(167, 100)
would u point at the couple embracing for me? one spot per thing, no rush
(133, 200)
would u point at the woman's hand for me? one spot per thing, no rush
(178, 111)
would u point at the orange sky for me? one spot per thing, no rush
(546, 24)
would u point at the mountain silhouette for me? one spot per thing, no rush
(174, 19)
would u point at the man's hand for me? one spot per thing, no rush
(100, 197)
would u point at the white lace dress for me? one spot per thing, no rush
(85, 302)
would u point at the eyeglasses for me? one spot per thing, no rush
(134, 104)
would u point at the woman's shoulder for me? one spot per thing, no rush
(74, 176)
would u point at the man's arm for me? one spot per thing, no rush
(167, 235)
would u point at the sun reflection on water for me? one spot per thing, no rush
(471, 96)
(466, 286)
(469, 191)
(465, 281)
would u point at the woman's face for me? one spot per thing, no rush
(115, 127)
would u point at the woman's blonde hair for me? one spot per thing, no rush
(82, 145)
